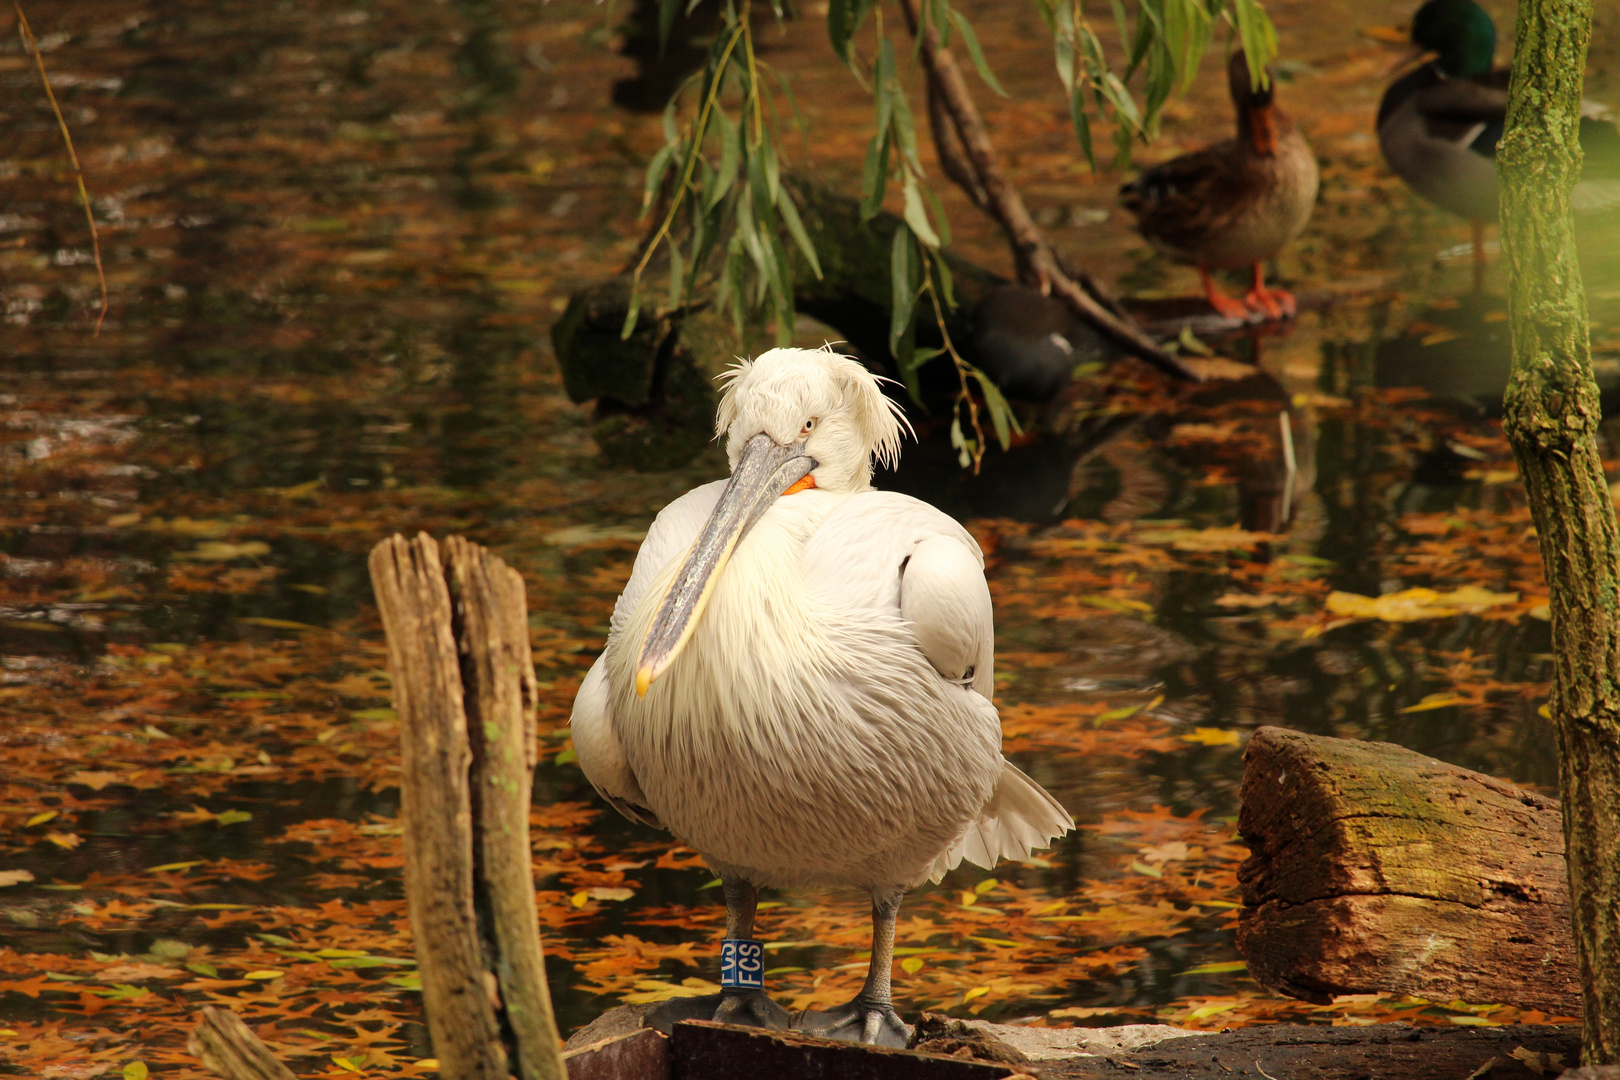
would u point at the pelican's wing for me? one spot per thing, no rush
(894, 555)
(943, 595)
(597, 746)
(883, 551)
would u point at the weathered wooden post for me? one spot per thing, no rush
(463, 678)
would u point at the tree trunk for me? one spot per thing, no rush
(1377, 869)
(1551, 417)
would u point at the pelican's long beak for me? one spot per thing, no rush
(764, 471)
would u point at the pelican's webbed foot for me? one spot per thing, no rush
(750, 1008)
(867, 1021)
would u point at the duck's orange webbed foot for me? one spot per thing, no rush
(1274, 303)
(1225, 306)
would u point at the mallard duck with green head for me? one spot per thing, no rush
(1439, 124)
(1234, 204)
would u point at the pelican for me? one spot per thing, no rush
(797, 681)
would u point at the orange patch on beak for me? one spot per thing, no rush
(804, 483)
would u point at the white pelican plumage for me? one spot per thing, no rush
(798, 677)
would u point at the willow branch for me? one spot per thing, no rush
(67, 137)
(949, 151)
(1037, 263)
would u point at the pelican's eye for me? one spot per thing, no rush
(809, 426)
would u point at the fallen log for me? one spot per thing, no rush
(1377, 869)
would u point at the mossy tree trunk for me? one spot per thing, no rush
(1552, 419)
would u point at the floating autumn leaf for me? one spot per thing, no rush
(1222, 967)
(14, 877)
(1250, 600)
(1437, 701)
(66, 841)
(1218, 539)
(1170, 851)
(283, 624)
(1412, 605)
(579, 536)
(649, 991)
(138, 972)
(224, 551)
(1209, 736)
(95, 781)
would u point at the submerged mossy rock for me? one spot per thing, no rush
(654, 391)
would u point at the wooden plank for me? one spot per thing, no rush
(491, 627)
(1378, 869)
(408, 578)
(639, 1055)
(704, 1050)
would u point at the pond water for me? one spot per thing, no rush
(335, 239)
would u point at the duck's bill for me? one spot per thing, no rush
(764, 471)
(1413, 57)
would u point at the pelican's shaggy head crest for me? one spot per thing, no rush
(831, 403)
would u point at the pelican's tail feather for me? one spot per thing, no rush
(1020, 818)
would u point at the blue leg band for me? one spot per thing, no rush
(742, 964)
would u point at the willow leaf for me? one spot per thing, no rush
(795, 228)
(971, 40)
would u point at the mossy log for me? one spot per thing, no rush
(654, 391)
(1377, 869)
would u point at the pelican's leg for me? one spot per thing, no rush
(870, 1018)
(733, 1005)
(739, 1006)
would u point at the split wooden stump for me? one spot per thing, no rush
(1377, 869)
(463, 680)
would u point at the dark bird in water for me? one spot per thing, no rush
(1236, 203)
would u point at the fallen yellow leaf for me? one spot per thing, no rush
(1210, 736)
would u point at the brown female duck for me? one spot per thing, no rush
(1233, 204)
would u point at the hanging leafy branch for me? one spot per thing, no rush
(723, 176)
(718, 175)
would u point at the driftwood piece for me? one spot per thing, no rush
(1377, 869)
(460, 663)
(227, 1047)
